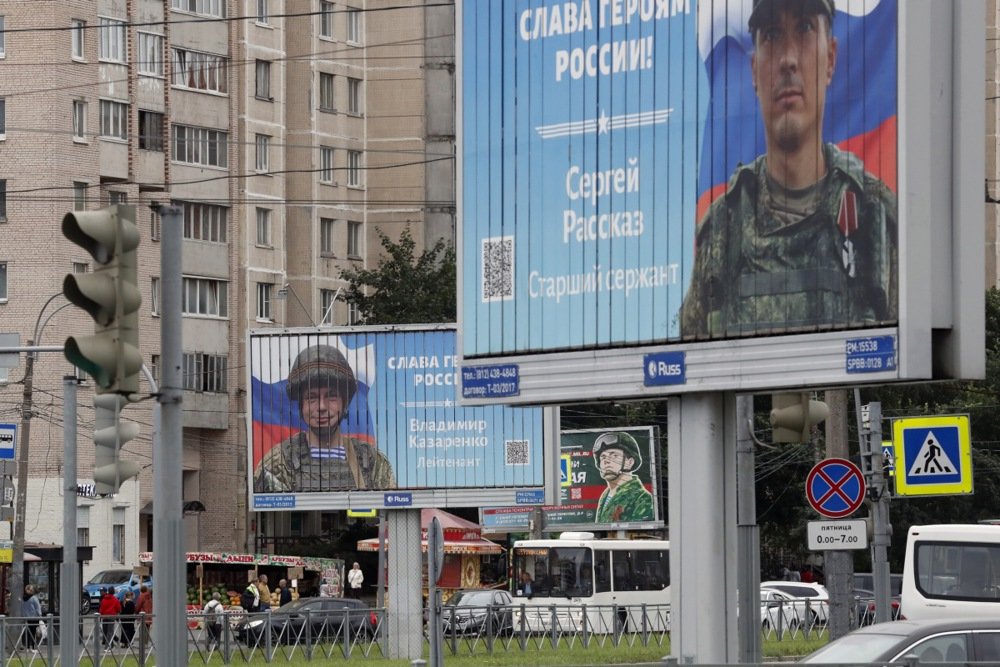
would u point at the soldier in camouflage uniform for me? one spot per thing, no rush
(803, 239)
(322, 458)
(617, 458)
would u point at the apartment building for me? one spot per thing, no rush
(288, 131)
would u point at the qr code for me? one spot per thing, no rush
(498, 268)
(517, 452)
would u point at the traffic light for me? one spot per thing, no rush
(794, 415)
(110, 433)
(110, 294)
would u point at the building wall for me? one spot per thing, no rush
(992, 144)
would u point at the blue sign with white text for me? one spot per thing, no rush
(496, 381)
(531, 497)
(872, 354)
(8, 441)
(273, 502)
(398, 499)
(664, 368)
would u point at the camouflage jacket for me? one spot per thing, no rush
(834, 269)
(631, 502)
(291, 467)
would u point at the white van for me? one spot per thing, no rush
(952, 571)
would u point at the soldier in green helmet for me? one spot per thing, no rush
(617, 457)
(803, 239)
(322, 458)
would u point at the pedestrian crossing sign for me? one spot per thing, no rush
(933, 456)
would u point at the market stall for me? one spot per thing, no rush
(464, 550)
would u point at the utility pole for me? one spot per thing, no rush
(15, 581)
(838, 565)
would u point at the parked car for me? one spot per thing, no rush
(968, 641)
(326, 617)
(478, 611)
(120, 580)
(777, 611)
(866, 581)
(864, 605)
(811, 601)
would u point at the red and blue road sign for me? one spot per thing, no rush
(835, 488)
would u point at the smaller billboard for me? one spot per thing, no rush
(609, 480)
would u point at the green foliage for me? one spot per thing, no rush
(405, 288)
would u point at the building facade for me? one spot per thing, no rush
(289, 132)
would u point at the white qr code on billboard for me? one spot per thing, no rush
(498, 268)
(517, 452)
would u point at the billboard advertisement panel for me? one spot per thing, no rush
(609, 481)
(646, 171)
(369, 418)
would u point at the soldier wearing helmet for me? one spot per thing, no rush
(322, 458)
(617, 457)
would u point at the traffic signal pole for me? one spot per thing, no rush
(170, 626)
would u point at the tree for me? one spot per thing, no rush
(405, 288)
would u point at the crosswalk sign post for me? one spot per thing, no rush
(933, 456)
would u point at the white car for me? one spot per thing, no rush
(810, 601)
(777, 614)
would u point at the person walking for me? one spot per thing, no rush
(355, 579)
(213, 621)
(109, 610)
(265, 592)
(284, 593)
(128, 619)
(144, 605)
(32, 610)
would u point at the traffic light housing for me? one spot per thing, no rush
(110, 433)
(110, 294)
(794, 415)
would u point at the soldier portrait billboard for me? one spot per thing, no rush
(644, 171)
(337, 419)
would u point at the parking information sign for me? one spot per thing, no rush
(933, 456)
(836, 535)
(8, 441)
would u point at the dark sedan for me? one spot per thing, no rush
(327, 620)
(477, 611)
(958, 641)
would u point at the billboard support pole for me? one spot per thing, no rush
(747, 535)
(550, 458)
(69, 579)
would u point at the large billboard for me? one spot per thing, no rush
(689, 175)
(369, 418)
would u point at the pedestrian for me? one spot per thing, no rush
(144, 605)
(325, 590)
(213, 620)
(32, 611)
(265, 592)
(109, 610)
(250, 598)
(284, 593)
(355, 579)
(128, 619)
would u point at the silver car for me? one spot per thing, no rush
(957, 641)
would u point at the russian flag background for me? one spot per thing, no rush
(861, 102)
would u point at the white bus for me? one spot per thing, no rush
(951, 571)
(577, 583)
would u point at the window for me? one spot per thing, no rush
(354, 26)
(154, 295)
(79, 196)
(150, 53)
(83, 526)
(263, 89)
(79, 120)
(264, 227)
(154, 367)
(3, 200)
(117, 197)
(3, 36)
(325, 164)
(325, 19)
(204, 222)
(354, 168)
(3, 117)
(354, 239)
(262, 14)
(326, 92)
(205, 372)
(326, 230)
(111, 40)
(80, 267)
(353, 313)
(263, 150)
(114, 119)
(154, 226)
(118, 535)
(205, 296)
(150, 131)
(264, 291)
(199, 145)
(327, 297)
(354, 95)
(199, 71)
(207, 7)
(3, 281)
(78, 29)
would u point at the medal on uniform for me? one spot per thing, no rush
(847, 221)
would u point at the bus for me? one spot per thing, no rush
(577, 583)
(951, 571)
